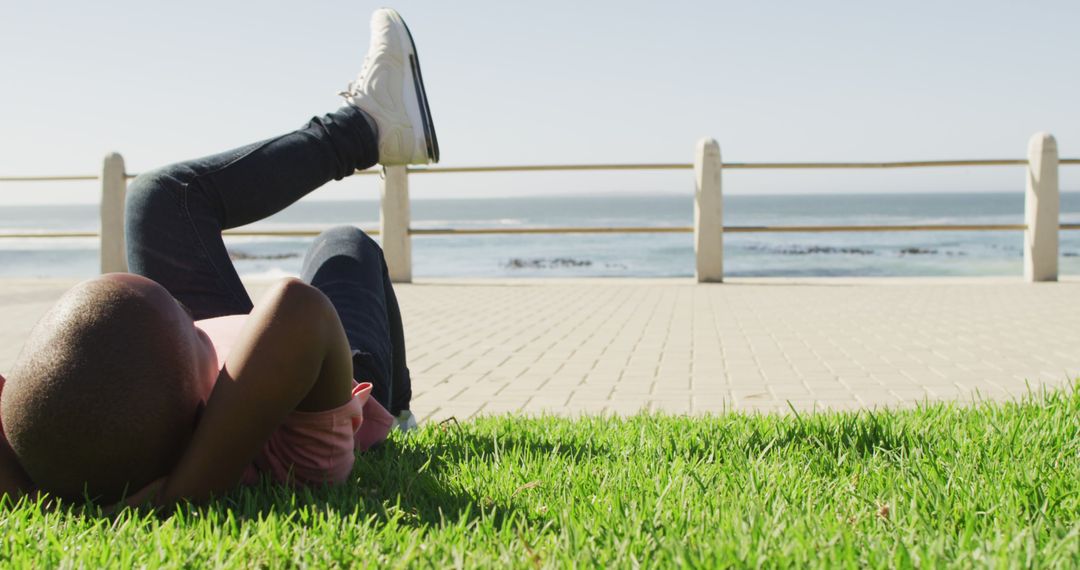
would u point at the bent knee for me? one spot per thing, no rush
(151, 191)
(353, 236)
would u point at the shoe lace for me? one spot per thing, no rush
(349, 91)
(354, 86)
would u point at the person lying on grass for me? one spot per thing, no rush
(168, 383)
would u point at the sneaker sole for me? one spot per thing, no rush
(414, 91)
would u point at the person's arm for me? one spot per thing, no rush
(292, 354)
(13, 479)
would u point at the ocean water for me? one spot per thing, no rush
(613, 255)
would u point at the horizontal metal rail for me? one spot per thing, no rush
(49, 178)
(35, 235)
(727, 229)
(736, 165)
(551, 167)
(562, 230)
(901, 228)
(283, 233)
(641, 166)
(870, 165)
(232, 233)
(600, 230)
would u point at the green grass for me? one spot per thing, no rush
(987, 485)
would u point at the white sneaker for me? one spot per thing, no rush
(391, 90)
(405, 421)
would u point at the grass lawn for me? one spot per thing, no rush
(992, 484)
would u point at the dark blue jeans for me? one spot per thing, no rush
(175, 215)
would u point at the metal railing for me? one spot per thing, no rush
(594, 230)
(640, 166)
(1041, 208)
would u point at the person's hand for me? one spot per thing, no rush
(146, 495)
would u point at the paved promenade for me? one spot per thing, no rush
(620, 345)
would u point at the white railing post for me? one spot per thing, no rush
(708, 213)
(113, 189)
(1041, 206)
(394, 223)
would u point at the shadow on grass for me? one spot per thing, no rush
(406, 482)
(398, 482)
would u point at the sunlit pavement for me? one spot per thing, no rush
(588, 346)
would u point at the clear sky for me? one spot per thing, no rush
(554, 82)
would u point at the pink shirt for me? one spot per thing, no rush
(309, 447)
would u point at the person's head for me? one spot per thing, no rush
(106, 392)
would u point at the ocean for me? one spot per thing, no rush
(613, 255)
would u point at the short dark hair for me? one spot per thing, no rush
(99, 402)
